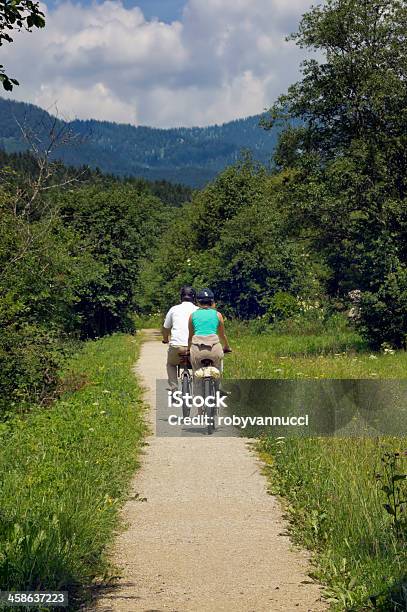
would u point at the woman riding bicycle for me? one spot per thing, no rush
(207, 332)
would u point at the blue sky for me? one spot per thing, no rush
(165, 10)
(162, 63)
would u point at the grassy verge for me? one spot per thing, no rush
(148, 321)
(330, 487)
(327, 355)
(65, 471)
(336, 508)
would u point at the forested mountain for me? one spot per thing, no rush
(185, 155)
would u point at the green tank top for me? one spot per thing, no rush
(205, 321)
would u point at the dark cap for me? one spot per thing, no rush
(205, 294)
(187, 294)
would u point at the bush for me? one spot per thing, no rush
(283, 306)
(41, 269)
(30, 357)
(383, 314)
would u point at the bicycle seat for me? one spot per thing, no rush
(206, 362)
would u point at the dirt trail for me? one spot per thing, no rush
(209, 538)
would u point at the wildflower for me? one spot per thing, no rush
(372, 357)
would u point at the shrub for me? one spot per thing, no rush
(383, 316)
(283, 306)
(30, 357)
(41, 268)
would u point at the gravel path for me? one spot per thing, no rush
(208, 537)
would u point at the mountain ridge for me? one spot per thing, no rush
(192, 155)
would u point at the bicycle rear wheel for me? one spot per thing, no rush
(210, 411)
(186, 389)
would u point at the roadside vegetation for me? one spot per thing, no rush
(345, 497)
(71, 246)
(300, 349)
(65, 472)
(336, 492)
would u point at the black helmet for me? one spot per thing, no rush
(205, 295)
(187, 294)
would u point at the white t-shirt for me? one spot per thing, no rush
(177, 321)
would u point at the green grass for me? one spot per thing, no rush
(148, 321)
(339, 354)
(330, 490)
(336, 509)
(65, 471)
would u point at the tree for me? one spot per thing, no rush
(346, 140)
(359, 87)
(17, 15)
(230, 238)
(120, 225)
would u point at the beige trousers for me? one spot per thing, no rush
(173, 360)
(205, 347)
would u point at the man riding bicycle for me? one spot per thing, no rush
(176, 326)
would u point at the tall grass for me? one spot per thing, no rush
(336, 508)
(65, 471)
(330, 487)
(332, 354)
(154, 321)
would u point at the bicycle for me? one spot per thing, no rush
(184, 371)
(210, 379)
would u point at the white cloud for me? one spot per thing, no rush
(225, 59)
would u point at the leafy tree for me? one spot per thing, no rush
(42, 267)
(20, 15)
(231, 238)
(358, 89)
(349, 149)
(120, 225)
